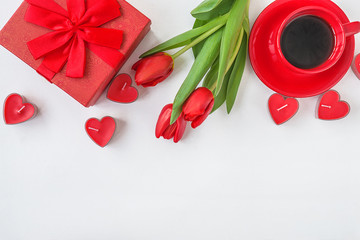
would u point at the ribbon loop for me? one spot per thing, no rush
(49, 5)
(100, 12)
(41, 46)
(76, 9)
(46, 18)
(106, 37)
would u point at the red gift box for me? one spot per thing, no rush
(97, 73)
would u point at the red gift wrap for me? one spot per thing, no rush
(44, 34)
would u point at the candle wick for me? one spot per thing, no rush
(279, 109)
(22, 108)
(326, 106)
(94, 129)
(123, 88)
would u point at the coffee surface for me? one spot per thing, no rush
(307, 42)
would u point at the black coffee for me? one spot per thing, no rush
(307, 42)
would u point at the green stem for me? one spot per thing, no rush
(198, 40)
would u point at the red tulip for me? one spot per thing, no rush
(163, 127)
(153, 69)
(198, 106)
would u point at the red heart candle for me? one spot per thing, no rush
(281, 109)
(121, 90)
(102, 131)
(331, 108)
(356, 66)
(16, 110)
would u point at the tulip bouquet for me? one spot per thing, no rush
(219, 41)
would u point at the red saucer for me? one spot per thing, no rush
(272, 71)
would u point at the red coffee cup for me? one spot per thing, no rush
(340, 32)
(315, 75)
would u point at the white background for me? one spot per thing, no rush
(235, 177)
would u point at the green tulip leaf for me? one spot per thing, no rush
(210, 9)
(185, 38)
(236, 74)
(202, 64)
(221, 97)
(230, 38)
(246, 23)
(211, 76)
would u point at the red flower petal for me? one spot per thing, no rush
(163, 121)
(181, 126)
(198, 121)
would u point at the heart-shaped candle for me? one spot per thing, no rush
(356, 66)
(102, 131)
(282, 109)
(331, 108)
(121, 90)
(16, 110)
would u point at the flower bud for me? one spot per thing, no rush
(153, 69)
(198, 106)
(163, 127)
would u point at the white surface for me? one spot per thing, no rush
(236, 177)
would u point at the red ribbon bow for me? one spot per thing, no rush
(72, 31)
